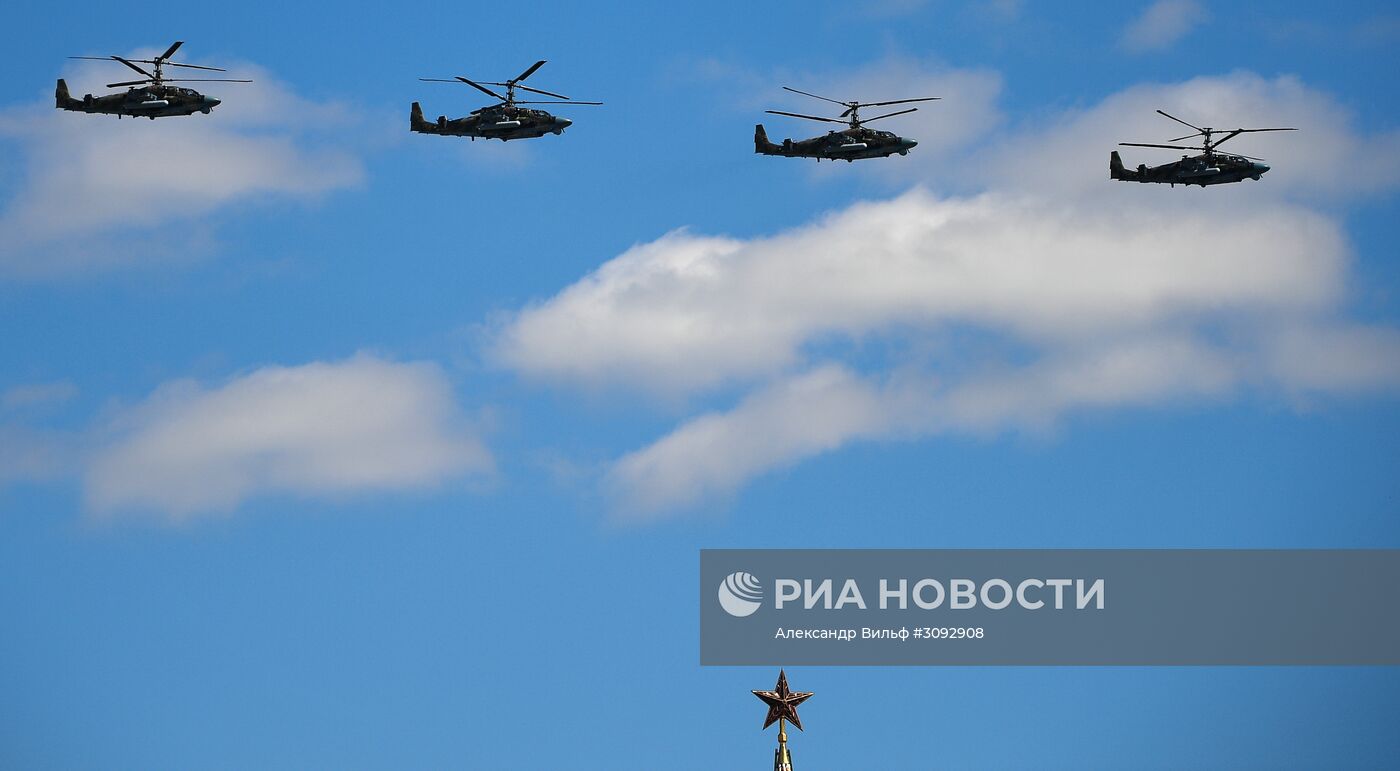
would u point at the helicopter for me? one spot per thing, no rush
(853, 143)
(1208, 168)
(504, 121)
(148, 97)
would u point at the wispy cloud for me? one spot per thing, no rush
(1162, 24)
(36, 395)
(320, 429)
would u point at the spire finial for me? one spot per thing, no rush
(782, 707)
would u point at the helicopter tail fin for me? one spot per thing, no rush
(761, 143)
(415, 118)
(62, 99)
(1115, 166)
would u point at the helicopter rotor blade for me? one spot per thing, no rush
(171, 50)
(900, 101)
(196, 67)
(808, 117)
(570, 102)
(482, 88)
(891, 114)
(1169, 147)
(541, 91)
(1227, 138)
(128, 63)
(1182, 122)
(1188, 136)
(1237, 132)
(814, 96)
(529, 72)
(177, 80)
(105, 59)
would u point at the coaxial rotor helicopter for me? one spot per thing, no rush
(1208, 168)
(504, 121)
(851, 144)
(148, 97)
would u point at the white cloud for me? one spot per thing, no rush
(1342, 358)
(320, 429)
(713, 454)
(90, 176)
(812, 412)
(687, 313)
(1162, 24)
(1080, 293)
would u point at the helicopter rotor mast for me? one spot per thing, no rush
(852, 112)
(509, 99)
(1205, 133)
(156, 76)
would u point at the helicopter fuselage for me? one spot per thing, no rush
(1208, 168)
(503, 123)
(153, 101)
(851, 144)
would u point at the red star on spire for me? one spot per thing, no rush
(782, 703)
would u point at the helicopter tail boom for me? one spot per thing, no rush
(1115, 167)
(62, 99)
(761, 144)
(415, 119)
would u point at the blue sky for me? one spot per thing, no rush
(325, 445)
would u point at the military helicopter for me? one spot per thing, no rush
(504, 121)
(149, 97)
(853, 143)
(1208, 168)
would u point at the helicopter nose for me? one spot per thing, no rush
(563, 122)
(1260, 168)
(211, 101)
(911, 142)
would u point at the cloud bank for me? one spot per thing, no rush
(315, 430)
(1002, 311)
